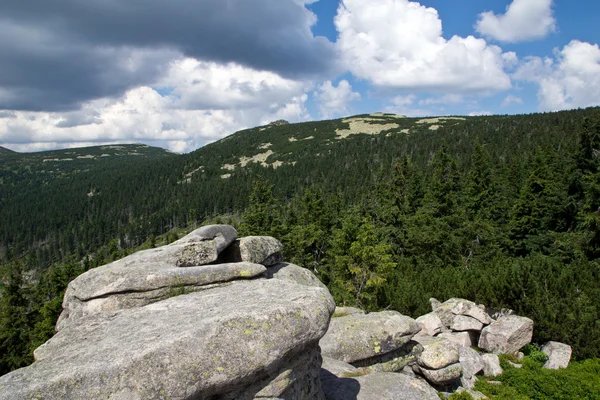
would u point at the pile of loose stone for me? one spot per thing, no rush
(435, 351)
(211, 316)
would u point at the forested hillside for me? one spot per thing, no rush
(387, 210)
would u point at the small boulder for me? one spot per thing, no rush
(442, 376)
(453, 307)
(491, 365)
(437, 352)
(465, 323)
(294, 273)
(464, 339)
(339, 368)
(506, 335)
(471, 362)
(357, 336)
(430, 324)
(265, 250)
(559, 355)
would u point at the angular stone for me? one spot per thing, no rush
(559, 355)
(339, 368)
(356, 337)
(506, 335)
(491, 365)
(394, 361)
(442, 376)
(465, 323)
(379, 386)
(437, 352)
(471, 362)
(118, 286)
(223, 236)
(294, 273)
(463, 339)
(197, 345)
(265, 250)
(430, 323)
(453, 307)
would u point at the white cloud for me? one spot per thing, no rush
(570, 80)
(445, 99)
(333, 101)
(207, 102)
(511, 99)
(403, 105)
(399, 44)
(523, 20)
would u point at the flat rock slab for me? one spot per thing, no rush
(118, 286)
(506, 335)
(265, 250)
(187, 347)
(442, 376)
(462, 323)
(449, 309)
(559, 355)
(357, 337)
(379, 386)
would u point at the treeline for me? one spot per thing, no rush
(501, 210)
(520, 233)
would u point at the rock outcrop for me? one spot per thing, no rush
(559, 355)
(506, 335)
(154, 326)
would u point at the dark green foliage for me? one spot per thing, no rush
(501, 210)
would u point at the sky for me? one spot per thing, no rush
(180, 74)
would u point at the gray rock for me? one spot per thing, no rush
(506, 335)
(294, 273)
(223, 236)
(430, 324)
(471, 362)
(453, 307)
(559, 355)
(380, 386)
(203, 245)
(356, 337)
(491, 365)
(442, 376)
(122, 285)
(339, 368)
(198, 345)
(474, 394)
(435, 303)
(465, 323)
(343, 311)
(468, 383)
(265, 250)
(496, 313)
(394, 361)
(464, 339)
(437, 352)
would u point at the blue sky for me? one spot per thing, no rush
(184, 73)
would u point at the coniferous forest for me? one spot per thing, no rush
(502, 210)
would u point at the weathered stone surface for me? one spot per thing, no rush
(506, 335)
(201, 246)
(119, 285)
(343, 311)
(356, 337)
(437, 352)
(496, 313)
(339, 368)
(464, 339)
(393, 361)
(491, 365)
(294, 273)
(265, 250)
(380, 386)
(559, 355)
(471, 362)
(442, 376)
(430, 324)
(465, 323)
(197, 345)
(449, 309)
(223, 235)
(474, 394)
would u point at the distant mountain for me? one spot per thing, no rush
(5, 151)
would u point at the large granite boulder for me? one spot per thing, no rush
(448, 310)
(506, 335)
(243, 339)
(464, 339)
(437, 352)
(443, 376)
(360, 336)
(265, 250)
(559, 355)
(379, 386)
(430, 324)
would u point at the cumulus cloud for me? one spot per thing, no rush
(511, 99)
(231, 98)
(333, 101)
(57, 55)
(569, 80)
(523, 20)
(399, 44)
